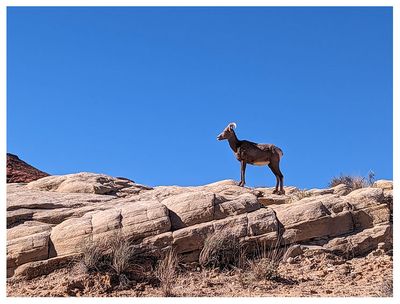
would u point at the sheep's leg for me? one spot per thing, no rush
(282, 191)
(279, 178)
(242, 173)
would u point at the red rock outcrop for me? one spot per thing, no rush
(19, 171)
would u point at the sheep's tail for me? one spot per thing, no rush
(279, 151)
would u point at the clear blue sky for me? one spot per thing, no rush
(143, 92)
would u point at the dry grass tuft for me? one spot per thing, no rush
(265, 263)
(166, 273)
(92, 254)
(353, 182)
(120, 253)
(222, 250)
(114, 255)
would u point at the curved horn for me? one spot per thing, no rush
(232, 125)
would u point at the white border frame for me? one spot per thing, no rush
(321, 3)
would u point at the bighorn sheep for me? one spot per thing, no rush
(248, 152)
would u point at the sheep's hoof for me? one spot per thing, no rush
(241, 184)
(275, 192)
(282, 192)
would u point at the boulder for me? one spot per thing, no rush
(366, 195)
(33, 247)
(32, 270)
(243, 203)
(292, 252)
(85, 182)
(315, 192)
(190, 208)
(24, 204)
(144, 219)
(311, 218)
(341, 189)
(362, 242)
(262, 221)
(68, 237)
(383, 184)
(226, 188)
(369, 207)
(273, 199)
(191, 238)
(136, 221)
(157, 243)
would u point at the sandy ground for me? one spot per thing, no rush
(308, 275)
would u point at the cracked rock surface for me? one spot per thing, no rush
(49, 218)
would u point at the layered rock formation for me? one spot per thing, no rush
(19, 171)
(50, 218)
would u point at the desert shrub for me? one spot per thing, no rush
(92, 254)
(353, 182)
(265, 261)
(166, 273)
(222, 250)
(263, 269)
(120, 253)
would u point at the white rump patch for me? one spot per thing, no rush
(261, 163)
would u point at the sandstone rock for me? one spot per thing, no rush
(262, 221)
(19, 171)
(45, 225)
(191, 238)
(38, 268)
(85, 182)
(226, 182)
(24, 204)
(160, 193)
(68, 237)
(310, 218)
(362, 242)
(243, 203)
(369, 207)
(26, 229)
(105, 221)
(314, 248)
(388, 199)
(341, 189)
(289, 190)
(273, 199)
(315, 192)
(226, 189)
(145, 219)
(383, 184)
(26, 249)
(190, 208)
(236, 225)
(366, 194)
(292, 252)
(368, 217)
(156, 243)
(136, 221)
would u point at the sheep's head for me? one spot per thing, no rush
(228, 132)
